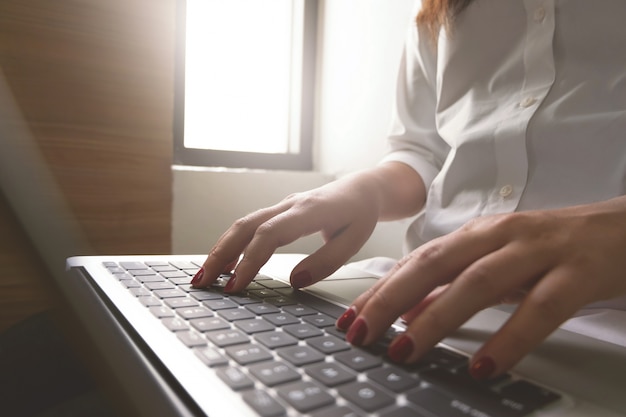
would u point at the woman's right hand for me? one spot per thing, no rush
(345, 212)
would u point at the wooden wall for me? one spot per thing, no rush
(93, 79)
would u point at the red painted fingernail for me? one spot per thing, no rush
(301, 279)
(483, 368)
(346, 319)
(401, 349)
(231, 283)
(357, 333)
(196, 278)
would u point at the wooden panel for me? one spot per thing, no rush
(94, 81)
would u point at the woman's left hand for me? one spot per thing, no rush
(553, 262)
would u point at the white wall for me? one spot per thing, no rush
(361, 43)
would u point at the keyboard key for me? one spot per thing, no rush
(300, 355)
(229, 337)
(273, 284)
(444, 358)
(163, 268)
(161, 311)
(194, 312)
(274, 373)
(328, 344)
(133, 265)
(461, 404)
(156, 263)
(206, 295)
(280, 301)
(247, 354)
(210, 357)
(131, 283)
(264, 308)
(162, 285)
(366, 396)
(181, 302)
(234, 314)
(185, 265)
(220, 304)
(300, 310)
(302, 331)
(528, 395)
(169, 293)
(209, 323)
(393, 378)
(191, 338)
(281, 319)
(330, 374)
(142, 272)
(140, 292)
(358, 360)
(235, 378)
(150, 301)
(150, 278)
(254, 326)
(273, 339)
(319, 320)
(263, 403)
(263, 293)
(175, 274)
(305, 396)
(175, 324)
(243, 300)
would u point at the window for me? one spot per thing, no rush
(244, 87)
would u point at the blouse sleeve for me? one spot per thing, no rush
(413, 137)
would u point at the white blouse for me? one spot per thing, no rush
(522, 106)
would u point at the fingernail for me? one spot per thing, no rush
(483, 368)
(301, 279)
(357, 333)
(231, 283)
(196, 278)
(401, 349)
(346, 319)
(229, 267)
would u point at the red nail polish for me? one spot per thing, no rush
(301, 279)
(196, 278)
(346, 319)
(231, 283)
(357, 333)
(483, 368)
(401, 349)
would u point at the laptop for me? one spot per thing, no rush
(274, 351)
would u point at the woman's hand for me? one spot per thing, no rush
(345, 212)
(554, 262)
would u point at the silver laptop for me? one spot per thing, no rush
(274, 351)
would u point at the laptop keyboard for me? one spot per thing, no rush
(279, 348)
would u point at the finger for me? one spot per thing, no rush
(280, 230)
(232, 244)
(428, 300)
(550, 302)
(333, 254)
(434, 264)
(482, 284)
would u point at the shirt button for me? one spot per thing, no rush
(528, 101)
(540, 13)
(506, 191)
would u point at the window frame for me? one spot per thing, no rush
(300, 161)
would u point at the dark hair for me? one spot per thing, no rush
(436, 14)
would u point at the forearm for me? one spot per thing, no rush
(399, 190)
